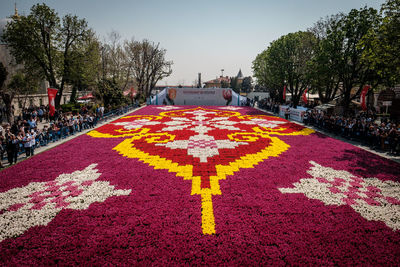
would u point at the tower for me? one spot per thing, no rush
(199, 81)
(15, 16)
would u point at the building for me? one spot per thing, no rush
(218, 82)
(224, 81)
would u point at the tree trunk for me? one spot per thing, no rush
(72, 99)
(59, 95)
(7, 99)
(346, 102)
(9, 113)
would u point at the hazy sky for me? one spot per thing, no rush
(200, 36)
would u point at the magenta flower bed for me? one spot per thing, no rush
(201, 185)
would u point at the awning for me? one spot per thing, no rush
(85, 97)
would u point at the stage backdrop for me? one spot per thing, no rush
(198, 96)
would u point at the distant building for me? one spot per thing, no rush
(240, 77)
(218, 82)
(221, 80)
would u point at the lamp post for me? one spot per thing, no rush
(284, 91)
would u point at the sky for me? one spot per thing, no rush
(199, 36)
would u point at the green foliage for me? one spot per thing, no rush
(286, 61)
(110, 93)
(42, 41)
(382, 46)
(346, 35)
(85, 62)
(323, 67)
(340, 53)
(71, 107)
(225, 84)
(33, 40)
(247, 84)
(235, 85)
(23, 83)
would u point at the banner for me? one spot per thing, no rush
(305, 96)
(362, 97)
(200, 96)
(284, 92)
(51, 92)
(296, 114)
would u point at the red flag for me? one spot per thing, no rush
(284, 92)
(305, 96)
(51, 92)
(362, 97)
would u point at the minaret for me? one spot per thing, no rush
(16, 16)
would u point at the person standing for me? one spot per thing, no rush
(12, 146)
(32, 142)
(287, 113)
(40, 114)
(27, 144)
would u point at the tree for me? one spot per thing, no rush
(323, 67)
(72, 35)
(21, 83)
(6, 96)
(225, 84)
(268, 74)
(85, 66)
(345, 37)
(234, 84)
(146, 62)
(115, 61)
(24, 83)
(110, 93)
(381, 46)
(40, 41)
(247, 84)
(286, 61)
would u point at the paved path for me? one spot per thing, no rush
(379, 152)
(59, 142)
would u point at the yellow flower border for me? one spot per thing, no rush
(274, 149)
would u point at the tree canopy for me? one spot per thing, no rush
(336, 57)
(286, 62)
(44, 41)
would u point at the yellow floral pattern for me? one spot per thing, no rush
(209, 133)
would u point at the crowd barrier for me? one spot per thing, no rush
(54, 136)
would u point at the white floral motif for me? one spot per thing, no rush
(39, 202)
(201, 124)
(230, 108)
(136, 124)
(201, 145)
(167, 108)
(263, 123)
(372, 198)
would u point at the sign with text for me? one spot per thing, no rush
(200, 96)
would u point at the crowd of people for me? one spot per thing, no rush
(364, 127)
(383, 134)
(24, 135)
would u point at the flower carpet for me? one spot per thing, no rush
(201, 185)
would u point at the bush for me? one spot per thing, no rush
(67, 107)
